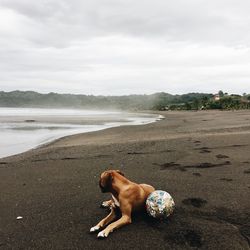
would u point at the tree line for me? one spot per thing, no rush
(157, 101)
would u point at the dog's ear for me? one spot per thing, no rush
(107, 179)
(119, 172)
(105, 182)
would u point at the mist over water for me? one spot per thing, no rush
(22, 129)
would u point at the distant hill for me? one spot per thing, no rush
(157, 101)
(34, 99)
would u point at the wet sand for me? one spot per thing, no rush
(201, 158)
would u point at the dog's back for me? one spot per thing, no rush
(147, 188)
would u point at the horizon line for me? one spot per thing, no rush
(153, 93)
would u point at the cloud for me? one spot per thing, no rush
(196, 21)
(122, 47)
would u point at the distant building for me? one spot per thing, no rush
(217, 97)
(245, 101)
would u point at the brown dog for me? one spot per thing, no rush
(126, 195)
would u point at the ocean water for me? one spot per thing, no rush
(22, 129)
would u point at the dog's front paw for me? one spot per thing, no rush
(103, 234)
(93, 229)
(106, 204)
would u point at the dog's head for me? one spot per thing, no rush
(107, 178)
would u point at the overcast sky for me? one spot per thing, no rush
(117, 47)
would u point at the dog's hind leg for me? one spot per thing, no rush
(105, 221)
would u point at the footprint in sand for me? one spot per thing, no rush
(195, 202)
(176, 166)
(220, 156)
(190, 237)
(226, 179)
(197, 174)
(204, 151)
(197, 142)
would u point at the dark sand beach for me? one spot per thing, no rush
(201, 158)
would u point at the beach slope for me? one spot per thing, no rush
(201, 158)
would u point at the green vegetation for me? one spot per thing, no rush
(199, 101)
(158, 101)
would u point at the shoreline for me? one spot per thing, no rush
(60, 126)
(201, 158)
